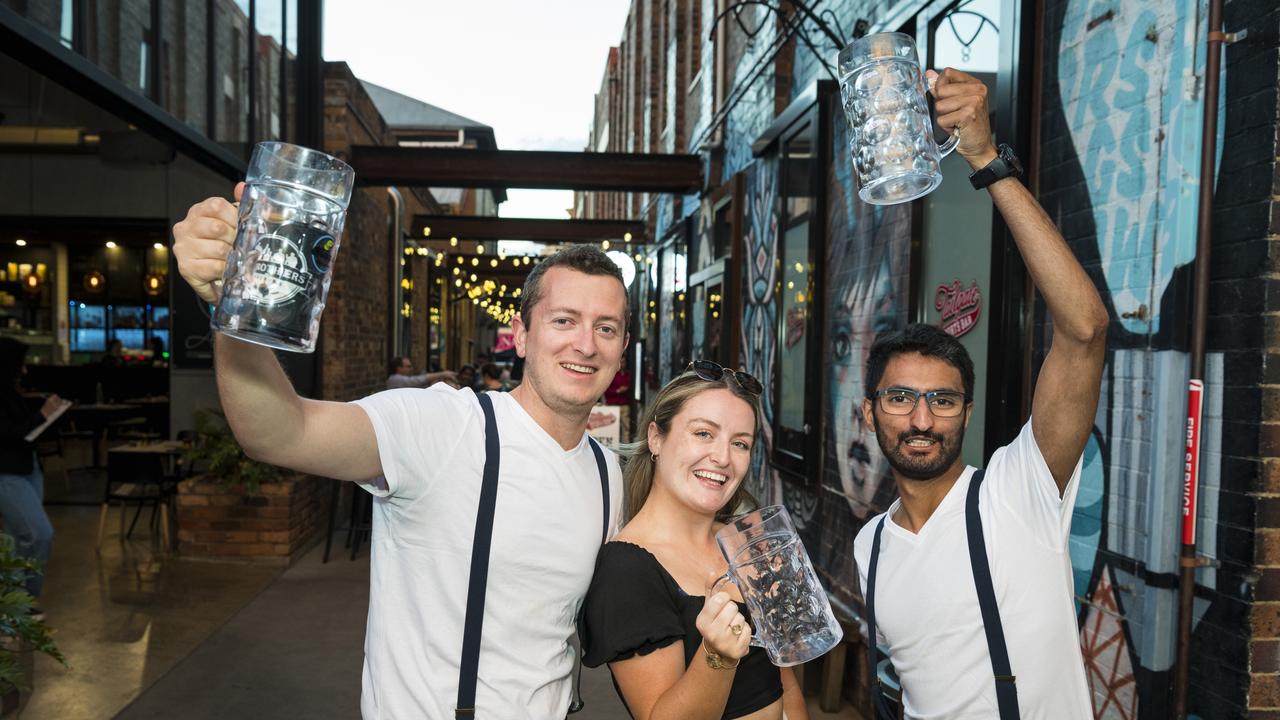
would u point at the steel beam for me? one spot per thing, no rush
(443, 227)
(544, 170)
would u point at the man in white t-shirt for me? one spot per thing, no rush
(919, 386)
(400, 375)
(421, 453)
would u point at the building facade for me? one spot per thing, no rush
(778, 268)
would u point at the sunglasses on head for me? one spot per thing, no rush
(713, 372)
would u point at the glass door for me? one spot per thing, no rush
(955, 267)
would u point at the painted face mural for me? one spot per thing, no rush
(868, 260)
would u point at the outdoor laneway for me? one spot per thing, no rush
(150, 638)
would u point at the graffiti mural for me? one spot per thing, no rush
(1120, 177)
(867, 263)
(759, 313)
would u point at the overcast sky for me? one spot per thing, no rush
(528, 68)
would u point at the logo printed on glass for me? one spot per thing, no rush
(280, 270)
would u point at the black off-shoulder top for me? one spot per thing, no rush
(634, 606)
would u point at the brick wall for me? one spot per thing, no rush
(1245, 286)
(356, 328)
(277, 525)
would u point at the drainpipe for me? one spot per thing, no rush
(1189, 561)
(397, 270)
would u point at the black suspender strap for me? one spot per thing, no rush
(604, 486)
(479, 577)
(576, 703)
(468, 669)
(873, 677)
(1006, 688)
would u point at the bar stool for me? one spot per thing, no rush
(359, 524)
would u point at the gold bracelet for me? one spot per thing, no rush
(715, 662)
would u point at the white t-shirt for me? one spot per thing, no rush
(547, 527)
(927, 605)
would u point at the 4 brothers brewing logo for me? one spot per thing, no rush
(288, 263)
(958, 306)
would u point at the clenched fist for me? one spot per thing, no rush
(724, 630)
(202, 241)
(961, 107)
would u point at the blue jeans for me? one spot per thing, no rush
(22, 506)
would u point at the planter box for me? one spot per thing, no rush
(276, 525)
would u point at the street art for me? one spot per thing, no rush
(1123, 189)
(1127, 78)
(759, 317)
(867, 264)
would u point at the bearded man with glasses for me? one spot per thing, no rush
(966, 577)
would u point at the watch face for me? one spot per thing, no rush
(1011, 160)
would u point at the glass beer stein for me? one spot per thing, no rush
(883, 92)
(277, 275)
(792, 616)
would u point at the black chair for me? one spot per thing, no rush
(359, 525)
(138, 479)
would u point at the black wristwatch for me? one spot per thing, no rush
(1005, 165)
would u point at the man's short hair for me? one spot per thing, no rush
(927, 340)
(394, 366)
(587, 259)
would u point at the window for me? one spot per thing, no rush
(802, 151)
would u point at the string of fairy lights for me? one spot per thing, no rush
(468, 274)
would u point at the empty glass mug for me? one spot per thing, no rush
(792, 616)
(277, 275)
(882, 88)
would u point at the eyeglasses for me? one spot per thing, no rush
(902, 401)
(713, 371)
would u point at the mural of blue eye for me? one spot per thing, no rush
(841, 346)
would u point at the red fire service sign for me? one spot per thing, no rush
(1191, 461)
(958, 307)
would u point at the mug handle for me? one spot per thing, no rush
(945, 148)
(952, 140)
(728, 577)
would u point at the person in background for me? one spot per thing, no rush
(157, 353)
(401, 375)
(491, 378)
(114, 356)
(466, 377)
(21, 480)
(677, 647)
(619, 394)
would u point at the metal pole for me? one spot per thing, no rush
(1188, 561)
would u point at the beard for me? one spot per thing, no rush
(913, 468)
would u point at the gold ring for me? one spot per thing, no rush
(736, 629)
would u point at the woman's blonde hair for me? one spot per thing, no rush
(637, 474)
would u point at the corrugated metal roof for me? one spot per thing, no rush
(402, 111)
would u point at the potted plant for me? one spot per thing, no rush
(20, 632)
(237, 507)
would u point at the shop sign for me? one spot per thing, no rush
(958, 307)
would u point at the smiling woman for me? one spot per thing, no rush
(654, 585)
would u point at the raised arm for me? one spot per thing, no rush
(1066, 394)
(270, 421)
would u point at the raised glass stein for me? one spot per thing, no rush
(882, 88)
(277, 275)
(792, 616)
